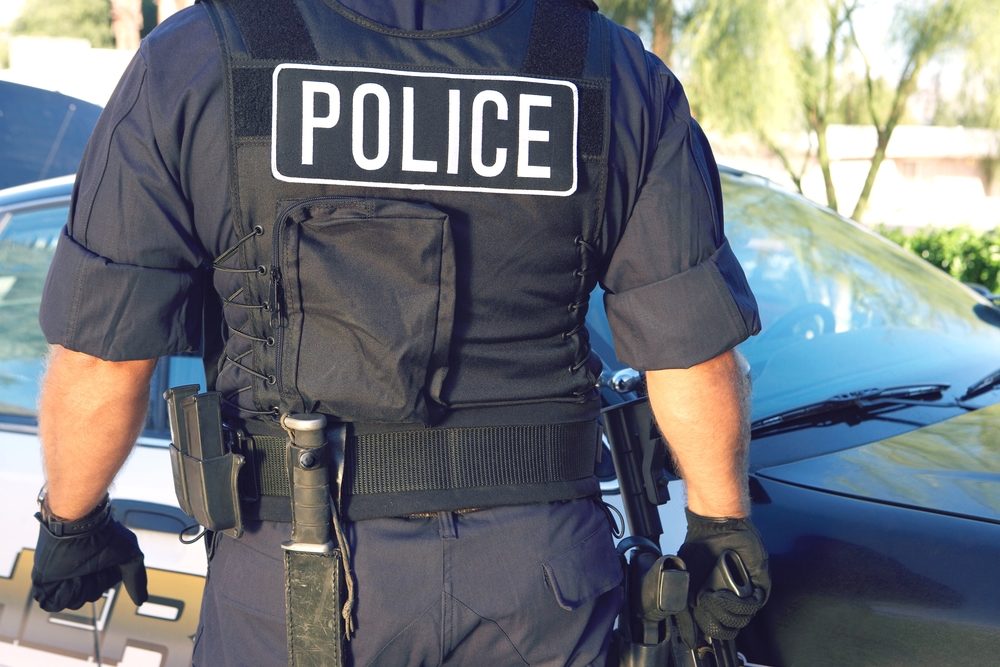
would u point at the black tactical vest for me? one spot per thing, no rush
(419, 212)
(417, 215)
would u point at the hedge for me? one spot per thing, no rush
(969, 255)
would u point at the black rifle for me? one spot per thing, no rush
(656, 585)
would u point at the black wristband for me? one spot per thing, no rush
(707, 525)
(61, 527)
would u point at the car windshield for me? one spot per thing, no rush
(842, 309)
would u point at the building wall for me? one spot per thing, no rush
(67, 65)
(932, 176)
(70, 65)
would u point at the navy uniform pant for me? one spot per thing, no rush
(521, 585)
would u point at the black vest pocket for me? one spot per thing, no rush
(368, 290)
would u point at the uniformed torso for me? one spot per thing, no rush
(420, 209)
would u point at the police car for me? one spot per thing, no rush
(875, 462)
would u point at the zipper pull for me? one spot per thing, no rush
(274, 298)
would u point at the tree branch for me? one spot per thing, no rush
(786, 162)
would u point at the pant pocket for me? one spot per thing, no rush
(243, 610)
(583, 572)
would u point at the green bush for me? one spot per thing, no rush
(969, 255)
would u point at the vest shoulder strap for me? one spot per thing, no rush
(271, 30)
(557, 47)
(560, 37)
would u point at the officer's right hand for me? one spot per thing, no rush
(721, 614)
(86, 559)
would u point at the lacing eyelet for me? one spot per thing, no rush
(269, 341)
(275, 411)
(578, 240)
(262, 270)
(578, 273)
(258, 230)
(271, 379)
(573, 307)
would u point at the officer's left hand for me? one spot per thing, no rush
(722, 614)
(87, 559)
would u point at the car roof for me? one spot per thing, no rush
(51, 188)
(43, 133)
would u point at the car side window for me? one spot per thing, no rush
(28, 239)
(186, 370)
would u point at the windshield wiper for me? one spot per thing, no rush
(866, 401)
(982, 386)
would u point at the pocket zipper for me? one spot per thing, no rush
(276, 294)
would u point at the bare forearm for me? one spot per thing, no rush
(702, 412)
(90, 414)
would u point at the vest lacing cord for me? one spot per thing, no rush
(228, 400)
(235, 361)
(578, 309)
(231, 301)
(227, 253)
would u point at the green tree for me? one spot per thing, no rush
(978, 104)
(89, 19)
(818, 80)
(740, 64)
(793, 67)
(722, 46)
(924, 29)
(659, 16)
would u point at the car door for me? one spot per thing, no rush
(113, 629)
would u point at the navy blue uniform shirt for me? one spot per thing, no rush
(151, 206)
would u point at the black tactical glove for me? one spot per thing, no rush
(76, 561)
(721, 614)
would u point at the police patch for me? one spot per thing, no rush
(423, 130)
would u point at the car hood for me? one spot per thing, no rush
(951, 467)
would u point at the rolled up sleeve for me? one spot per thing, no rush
(130, 272)
(118, 311)
(685, 319)
(675, 293)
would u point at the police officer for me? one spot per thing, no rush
(393, 214)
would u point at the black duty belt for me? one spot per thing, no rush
(403, 472)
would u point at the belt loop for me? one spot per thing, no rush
(448, 525)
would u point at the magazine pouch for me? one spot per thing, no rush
(205, 471)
